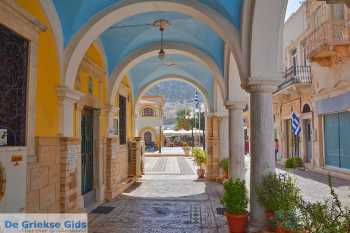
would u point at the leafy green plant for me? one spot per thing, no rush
(288, 220)
(325, 217)
(294, 162)
(278, 192)
(200, 156)
(224, 164)
(235, 196)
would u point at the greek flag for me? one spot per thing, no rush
(196, 99)
(295, 124)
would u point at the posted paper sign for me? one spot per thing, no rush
(43, 223)
(3, 137)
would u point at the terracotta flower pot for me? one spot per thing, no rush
(282, 229)
(226, 174)
(200, 173)
(270, 216)
(237, 223)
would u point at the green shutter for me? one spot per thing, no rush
(344, 137)
(331, 139)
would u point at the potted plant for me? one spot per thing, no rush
(224, 166)
(277, 193)
(235, 202)
(186, 148)
(200, 157)
(294, 162)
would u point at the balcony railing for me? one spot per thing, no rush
(296, 74)
(329, 33)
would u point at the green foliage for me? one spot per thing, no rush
(288, 219)
(235, 196)
(278, 192)
(199, 155)
(183, 120)
(224, 164)
(325, 217)
(294, 162)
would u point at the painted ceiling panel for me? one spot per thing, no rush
(152, 69)
(120, 42)
(76, 13)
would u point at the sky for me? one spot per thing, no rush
(293, 5)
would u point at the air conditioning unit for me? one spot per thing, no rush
(13, 179)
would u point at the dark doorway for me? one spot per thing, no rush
(87, 171)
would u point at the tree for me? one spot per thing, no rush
(183, 120)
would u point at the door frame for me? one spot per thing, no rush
(98, 172)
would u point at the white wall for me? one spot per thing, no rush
(293, 30)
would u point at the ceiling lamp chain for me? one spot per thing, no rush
(162, 24)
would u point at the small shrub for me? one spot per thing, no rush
(294, 162)
(325, 217)
(200, 156)
(235, 197)
(224, 164)
(278, 192)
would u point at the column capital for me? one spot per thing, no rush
(235, 104)
(66, 93)
(111, 109)
(262, 85)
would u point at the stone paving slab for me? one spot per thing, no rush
(170, 211)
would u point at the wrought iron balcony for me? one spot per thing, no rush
(295, 75)
(321, 41)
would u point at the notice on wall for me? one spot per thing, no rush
(3, 137)
(73, 156)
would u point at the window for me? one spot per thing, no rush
(122, 120)
(306, 108)
(338, 12)
(116, 126)
(148, 112)
(147, 137)
(14, 51)
(90, 85)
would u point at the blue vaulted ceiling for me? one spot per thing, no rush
(119, 42)
(76, 13)
(152, 69)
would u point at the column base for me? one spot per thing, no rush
(253, 228)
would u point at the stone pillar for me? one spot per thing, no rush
(71, 199)
(135, 153)
(67, 98)
(79, 109)
(112, 111)
(262, 156)
(213, 149)
(236, 139)
(99, 156)
(111, 168)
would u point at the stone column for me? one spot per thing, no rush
(67, 98)
(236, 139)
(212, 139)
(262, 156)
(112, 111)
(79, 109)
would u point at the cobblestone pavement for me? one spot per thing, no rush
(168, 199)
(313, 185)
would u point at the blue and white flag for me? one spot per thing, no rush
(296, 129)
(196, 99)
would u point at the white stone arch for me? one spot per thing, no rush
(191, 81)
(262, 33)
(55, 24)
(151, 50)
(112, 15)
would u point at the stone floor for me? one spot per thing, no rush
(169, 199)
